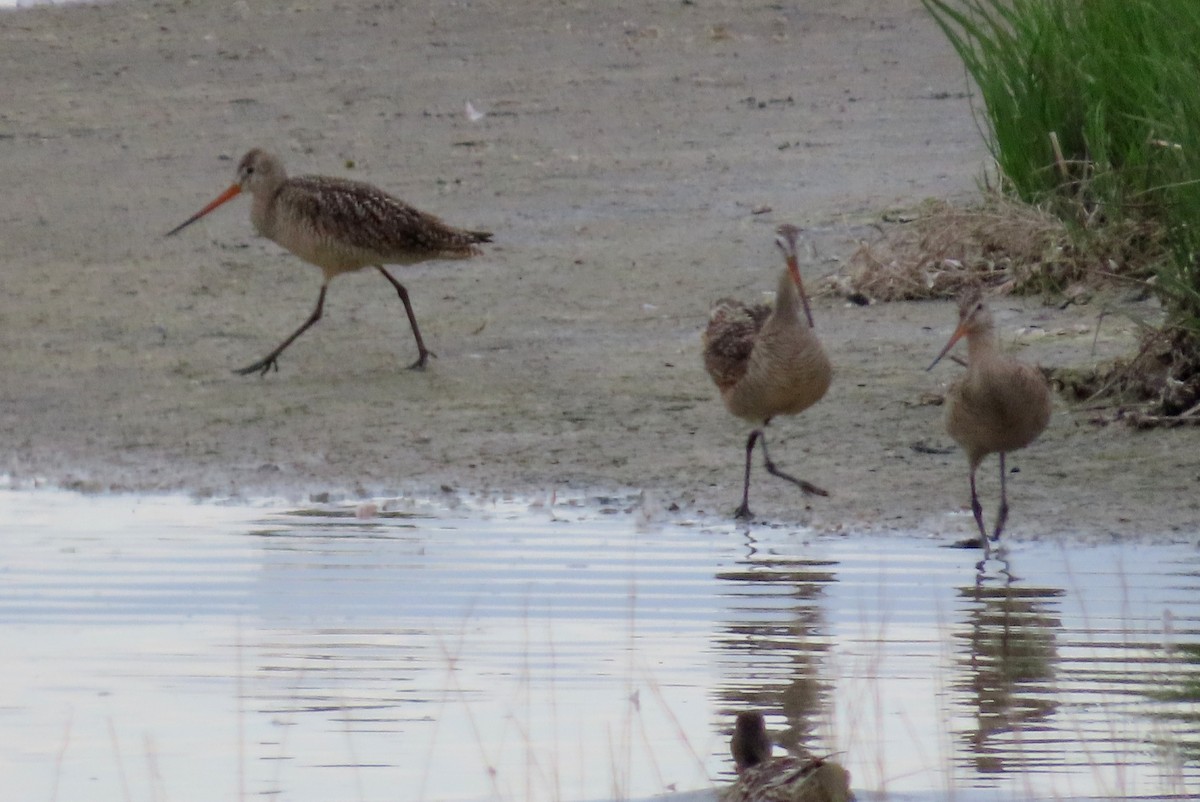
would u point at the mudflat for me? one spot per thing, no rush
(633, 161)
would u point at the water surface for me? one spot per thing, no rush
(160, 649)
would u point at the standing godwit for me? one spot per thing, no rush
(768, 362)
(762, 778)
(998, 405)
(340, 225)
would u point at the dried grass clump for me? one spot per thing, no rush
(1159, 386)
(1003, 244)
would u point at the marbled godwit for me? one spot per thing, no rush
(762, 778)
(768, 362)
(340, 225)
(998, 405)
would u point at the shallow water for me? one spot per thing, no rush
(9, 4)
(160, 649)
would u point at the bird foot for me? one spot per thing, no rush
(421, 360)
(1000, 561)
(807, 487)
(981, 566)
(811, 489)
(1000, 522)
(262, 367)
(743, 513)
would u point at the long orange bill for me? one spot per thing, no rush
(794, 269)
(785, 238)
(225, 196)
(955, 337)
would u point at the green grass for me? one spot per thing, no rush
(1093, 111)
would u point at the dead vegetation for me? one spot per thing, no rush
(1158, 386)
(1005, 246)
(938, 250)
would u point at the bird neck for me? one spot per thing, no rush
(262, 210)
(787, 299)
(981, 346)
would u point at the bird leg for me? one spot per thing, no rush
(977, 511)
(807, 487)
(976, 507)
(743, 512)
(423, 353)
(262, 366)
(1002, 517)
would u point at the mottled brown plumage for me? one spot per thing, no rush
(767, 361)
(763, 778)
(729, 339)
(999, 405)
(340, 225)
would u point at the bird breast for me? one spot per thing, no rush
(1002, 406)
(787, 373)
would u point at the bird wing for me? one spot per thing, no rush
(363, 216)
(729, 340)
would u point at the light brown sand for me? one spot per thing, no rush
(633, 163)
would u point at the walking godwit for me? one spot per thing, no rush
(768, 362)
(998, 405)
(762, 778)
(339, 225)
